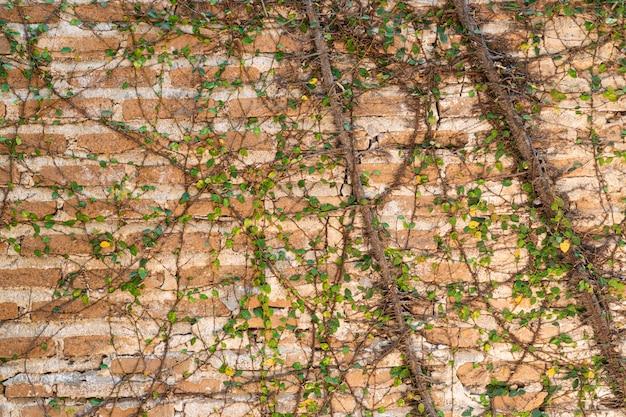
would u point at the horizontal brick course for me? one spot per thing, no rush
(29, 277)
(72, 310)
(114, 78)
(84, 175)
(104, 12)
(87, 345)
(107, 143)
(32, 13)
(8, 311)
(37, 144)
(24, 390)
(18, 78)
(192, 77)
(5, 46)
(26, 347)
(57, 245)
(76, 107)
(153, 109)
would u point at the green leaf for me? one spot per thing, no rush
(171, 317)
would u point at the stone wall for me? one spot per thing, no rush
(204, 213)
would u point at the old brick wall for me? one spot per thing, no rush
(198, 221)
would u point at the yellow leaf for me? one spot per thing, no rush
(478, 235)
(104, 244)
(517, 253)
(590, 374)
(229, 371)
(550, 372)
(487, 347)
(473, 224)
(304, 98)
(564, 245)
(472, 211)
(313, 81)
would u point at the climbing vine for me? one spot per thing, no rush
(312, 208)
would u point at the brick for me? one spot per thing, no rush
(161, 410)
(106, 143)
(377, 378)
(451, 139)
(94, 278)
(114, 78)
(247, 140)
(84, 175)
(466, 172)
(452, 336)
(192, 77)
(38, 208)
(67, 109)
(49, 411)
(443, 272)
(203, 44)
(210, 307)
(27, 277)
(85, 47)
(275, 322)
(259, 107)
(160, 174)
(26, 347)
(5, 45)
(87, 345)
(57, 245)
(33, 13)
(153, 109)
(147, 366)
(421, 240)
(72, 206)
(290, 205)
(8, 311)
(9, 175)
(17, 78)
(138, 208)
(37, 144)
(419, 207)
(24, 390)
(70, 310)
(520, 403)
(452, 106)
(377, 104)
(203, 207)
(203, 386)
(190, 242)
(387, 173)
(253, 302)
(270, 42)
(111, 11)
(197, 277)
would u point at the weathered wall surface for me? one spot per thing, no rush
(202, 216)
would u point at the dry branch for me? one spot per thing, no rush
(598, 316)
(374, 240)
